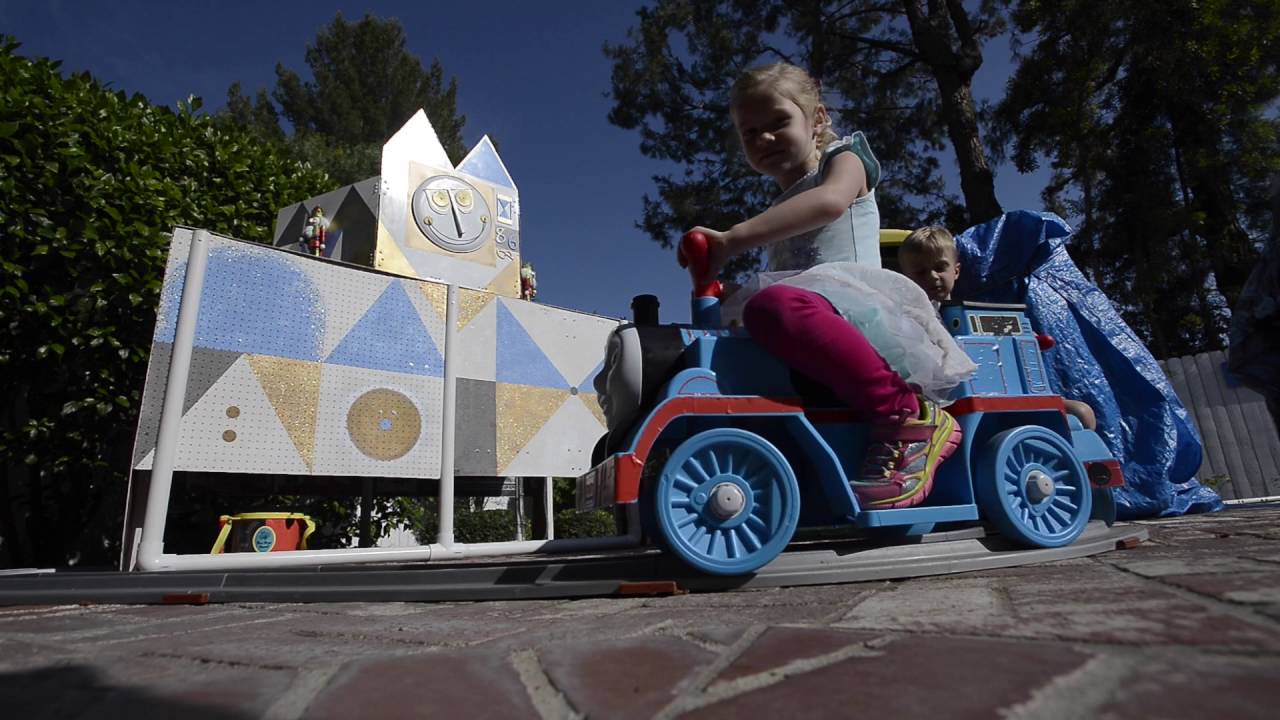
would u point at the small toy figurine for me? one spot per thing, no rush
(314, 232)
(528, 282)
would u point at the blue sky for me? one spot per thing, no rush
(530, 73)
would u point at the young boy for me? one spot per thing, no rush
(929, 257)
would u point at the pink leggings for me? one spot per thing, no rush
(801, 328)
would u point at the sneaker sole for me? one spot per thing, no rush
(917, 496)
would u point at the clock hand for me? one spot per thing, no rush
(453, 206)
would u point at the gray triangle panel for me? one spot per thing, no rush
(152, 400)
(207, 366)
(289, 225)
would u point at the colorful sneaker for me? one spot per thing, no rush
(898, 469)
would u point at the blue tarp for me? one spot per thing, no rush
(1021, 257)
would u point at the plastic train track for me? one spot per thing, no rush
(643, 571)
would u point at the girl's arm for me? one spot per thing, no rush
(846, 181)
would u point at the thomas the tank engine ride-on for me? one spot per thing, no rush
(727, 452)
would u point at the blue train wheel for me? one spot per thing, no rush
(727, 502)
(1031, 486)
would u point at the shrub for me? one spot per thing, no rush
(574, 524)
(91, 183)
(469, 525)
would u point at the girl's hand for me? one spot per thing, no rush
(717, 254)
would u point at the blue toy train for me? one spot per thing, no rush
(728, 452)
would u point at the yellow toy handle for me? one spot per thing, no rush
(222, 534)
(311, 527)
(892, 238)
(226, 520)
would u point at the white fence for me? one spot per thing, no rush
(1241, 444)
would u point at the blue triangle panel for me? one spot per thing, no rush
(390, 337)
(483, 162)
(170, 303)
(257, 301)
(520, 361)
(588, 383)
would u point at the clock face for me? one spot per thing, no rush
(452, 213)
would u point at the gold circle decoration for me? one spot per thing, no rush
(384, 424)
(233, 412)
(229, 436)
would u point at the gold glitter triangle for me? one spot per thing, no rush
(507, 281)
(293, 387)
(470, 303)
(522, 411)
(390, 257)
(593, 404)
(437, 295)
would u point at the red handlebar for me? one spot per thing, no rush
(694, 248)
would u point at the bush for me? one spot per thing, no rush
(91, 183)
(469, 525)
(574, 524)
(479, 526)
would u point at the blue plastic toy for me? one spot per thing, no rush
(728, 454)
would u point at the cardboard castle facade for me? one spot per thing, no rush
(423, 217)
(300, 366)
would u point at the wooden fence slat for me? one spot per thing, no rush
(1173, 369)
(1241, 434)
(1240, 477)
(1261, 431)
(1198, 404)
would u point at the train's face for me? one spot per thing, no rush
(638, 361)
(618, 385)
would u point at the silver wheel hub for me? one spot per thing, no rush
(1039, 486)
(727, 500)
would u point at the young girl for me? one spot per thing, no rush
(831, 313)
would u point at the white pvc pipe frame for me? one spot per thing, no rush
(151, 555)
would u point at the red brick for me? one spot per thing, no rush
(916, 677)
(629, 678)
(443, 685)
(781, 645)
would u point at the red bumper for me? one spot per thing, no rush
(1104, 473)
(616, 480)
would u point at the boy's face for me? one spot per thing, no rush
(935, 275)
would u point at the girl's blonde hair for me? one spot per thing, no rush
(790, 82)
(930, 242)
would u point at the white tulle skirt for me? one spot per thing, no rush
(892, 312)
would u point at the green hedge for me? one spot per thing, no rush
(469, 526)
(91, 182)
(574, 524)
(472, 526)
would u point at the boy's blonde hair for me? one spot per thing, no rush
(930, 241)
(792, 83)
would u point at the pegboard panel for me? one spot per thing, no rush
(376, 423)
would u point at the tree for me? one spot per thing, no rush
(1154, 119)
(949, 43)
(900, 71)
(365, 85)
(258, 115)
(91, 183)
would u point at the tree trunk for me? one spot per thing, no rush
(977, 181)
(946, 43)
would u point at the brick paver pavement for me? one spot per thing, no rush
(1186, 625)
